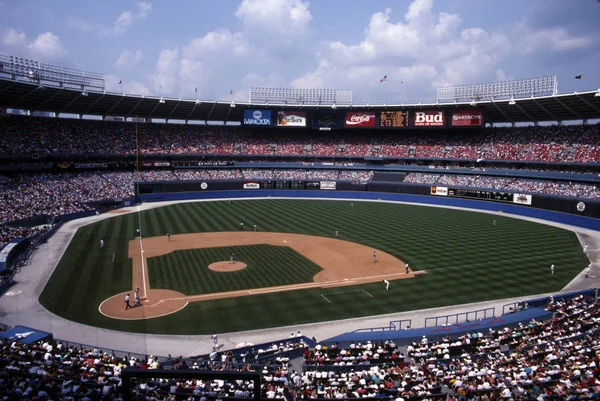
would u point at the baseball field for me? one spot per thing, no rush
(212, 276)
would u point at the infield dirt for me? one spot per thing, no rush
(343, 263)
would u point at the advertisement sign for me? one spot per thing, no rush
(360, 119)
(204, 185)
(291, 119)
(257, 117)
(522, 199)
(467, 118)
(393, 119)
(326, 121)
(328, 185)
(251, 185)
(432, 118)
(440, 191)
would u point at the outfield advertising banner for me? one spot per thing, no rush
(326, 121)
(522, 199)
(251, 185)
(432, 118)
(257, 117)
(291, 119)
(328, 185)
(440, 191)
(467, 118)
(393, 119)
(360, 119)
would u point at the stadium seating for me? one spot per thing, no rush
(547, 360)
(42, 136)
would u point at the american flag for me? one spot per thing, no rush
(384, 79)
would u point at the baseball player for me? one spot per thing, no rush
(587, 272)
(406, 268)
(215, 339)
(374, 257)
(585, 248)
(232, 259)
(136, 297)
(255, 228)
(352, 204)
(494, 222)
(101, 243)
(337, 233)
(127, 305)
(387, 284)
(242, 226)
(552, 270)
(169, 236)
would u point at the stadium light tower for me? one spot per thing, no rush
(498, 90)
(44, 74)
(300, 97)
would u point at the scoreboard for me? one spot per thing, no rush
(497, 196)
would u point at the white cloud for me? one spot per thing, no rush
(12, 37)
(129, 59)
(126, 19)
(46, 45)
(133, 87)
(281, 17)
(555, 40)
(424, 49)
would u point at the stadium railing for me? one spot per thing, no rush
(456, 318)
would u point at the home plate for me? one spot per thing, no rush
(345, 279)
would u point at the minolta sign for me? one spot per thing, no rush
(257, 117)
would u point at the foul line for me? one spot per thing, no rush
(325, 298)
(368, 294)
(142, 250)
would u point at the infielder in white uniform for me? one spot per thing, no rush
(374, 257)
(552, 270)
(387, 284)
(101, 243)
(585, 248)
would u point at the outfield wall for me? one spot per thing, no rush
(559, 217)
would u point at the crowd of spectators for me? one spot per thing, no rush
(30, 195)
(556, 359)
(31, 135)
(519, 185)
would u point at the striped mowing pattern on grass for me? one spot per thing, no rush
(466, 257)
(267, 266)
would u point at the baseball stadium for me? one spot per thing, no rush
(287, 247)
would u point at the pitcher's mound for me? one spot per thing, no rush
(227, 266)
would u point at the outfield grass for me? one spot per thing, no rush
(267, 266)
(466, 257)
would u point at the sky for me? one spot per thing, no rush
(171, 47)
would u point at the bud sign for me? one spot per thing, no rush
(429, 119)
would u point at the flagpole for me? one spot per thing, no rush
(385, 96)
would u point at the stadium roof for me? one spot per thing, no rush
(24, 95)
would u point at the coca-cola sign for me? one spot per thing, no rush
(429, 119)
(469, 118)
(360, 119)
